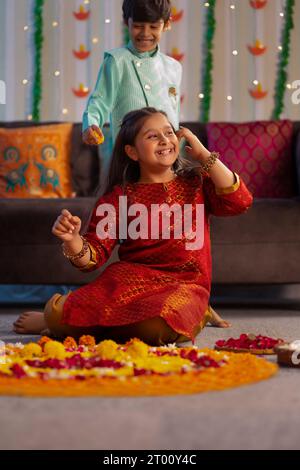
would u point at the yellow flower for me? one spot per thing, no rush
(137, 348)
(107, 349)
(55, 349)
(30, 350)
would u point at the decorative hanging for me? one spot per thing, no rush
(176, 15)
(208, 43)
(258, 93)
(81, 92)
(258, 4)
(82, 14)
(258, 48)
(82, 53)
(176, 54)
(284, 56)
(38, 45)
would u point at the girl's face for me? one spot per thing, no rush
(156, 146)
(146, 36)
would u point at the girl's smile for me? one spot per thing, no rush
(156, 148)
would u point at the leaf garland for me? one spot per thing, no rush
(208, 44)
(284, 56)
(38, 45)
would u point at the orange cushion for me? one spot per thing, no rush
(35, 161)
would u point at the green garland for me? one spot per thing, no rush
(208, 44)
(126, 37)
(38, 44)
(284, 55)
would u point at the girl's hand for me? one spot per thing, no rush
(66, 227)
(194, 148)
(93, 136)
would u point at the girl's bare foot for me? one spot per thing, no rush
(216, 320)
(30, 323)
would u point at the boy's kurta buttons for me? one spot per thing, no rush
(147, 87)
(138, 64)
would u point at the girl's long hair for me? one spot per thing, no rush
(123, 169)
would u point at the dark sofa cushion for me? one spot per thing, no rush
(30, 253)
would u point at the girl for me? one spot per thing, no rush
(159, 290)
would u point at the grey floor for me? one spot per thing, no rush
(265, 415)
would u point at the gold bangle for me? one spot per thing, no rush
(82, 252)
(205, 167)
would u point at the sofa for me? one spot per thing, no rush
(256, 256)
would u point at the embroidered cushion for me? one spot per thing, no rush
(35, 162)
(260, 152)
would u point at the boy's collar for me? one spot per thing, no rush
(142, 55)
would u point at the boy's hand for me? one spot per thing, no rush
(93, 136)
(66, 227)
(194, 148)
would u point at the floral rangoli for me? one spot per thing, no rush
(50, 368)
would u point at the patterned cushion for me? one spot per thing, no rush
(260, 152)
(35, 162)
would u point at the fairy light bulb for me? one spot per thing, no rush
(281, 14)
(201, 96)
(107, 20)
(229, 98)
(29, 117)
(235, 52)
(95, 40)
(25, 81)
(206, 4)
(26, 28)
(65, 111)
(232, 7)
(280, 48)
(57, 73)
(255, 82)
(55, 24)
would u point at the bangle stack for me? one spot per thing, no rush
(205, 167)
(82, 252)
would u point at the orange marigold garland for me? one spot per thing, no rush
(133, 369)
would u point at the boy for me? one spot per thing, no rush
(136, 75)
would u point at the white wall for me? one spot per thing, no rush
(232, 75)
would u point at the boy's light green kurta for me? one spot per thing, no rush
(130, 80)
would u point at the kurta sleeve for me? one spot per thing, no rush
(108, 223)
(233, 200)
(103, 98)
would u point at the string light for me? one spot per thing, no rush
(57, 73)
(232, 7)
(86, 2)
(55, 24)
(289, 86)
(107, 21)
(26, 28)
(29, 117)
(229, 98)
(281, 14)
(255, 82)
(235, 52)
(25, 81)
(201, 96)
(206, 4)
(65, 111)
(95, 40)
(280, 48)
